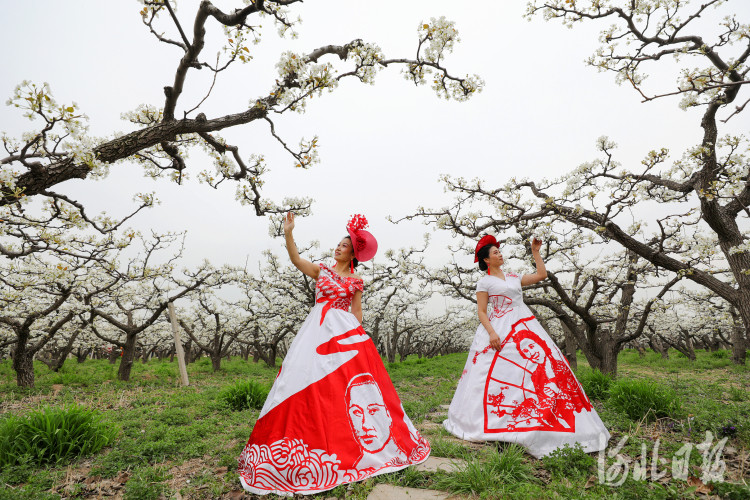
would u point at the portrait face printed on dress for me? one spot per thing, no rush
(368, 415)
(531, 351)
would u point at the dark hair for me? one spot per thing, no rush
(482, 254)
(355, 262)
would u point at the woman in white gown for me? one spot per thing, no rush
(516, 385)
(333, 415)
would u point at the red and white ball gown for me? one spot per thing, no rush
(526, 392)
(333, 415)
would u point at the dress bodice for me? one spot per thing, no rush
(335, 291)
(504, 295)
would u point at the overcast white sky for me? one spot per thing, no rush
(382, 147)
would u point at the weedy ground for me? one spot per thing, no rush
(183, 442)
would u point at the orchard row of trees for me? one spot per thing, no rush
(115, 304)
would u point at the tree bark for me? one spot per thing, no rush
(657, 346)
(689, 350)
(23, 364)
(683, 345)
(271, 358)
(82, 354)
(606, 350)
(188, 349)
(216, 361)
(570, 346)
(609, 360)
(63, 355)
(739, 345)
(128, 356)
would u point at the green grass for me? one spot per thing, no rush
(449, 448)
(424, 385)
(495, 472)
(595, 383)
(737, 394)
(146, 483)
(643, 399)
(53, 436)
(245, 394)
(170, 434)
(705, 360)
(569, 462)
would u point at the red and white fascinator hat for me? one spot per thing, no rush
(486, 240)
(364, 244)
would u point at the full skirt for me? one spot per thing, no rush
(524, 393)
(332, 416)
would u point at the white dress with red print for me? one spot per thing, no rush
(524, 393)
(333, 415)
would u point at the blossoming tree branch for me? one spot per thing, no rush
(62, 149)
(688, 215)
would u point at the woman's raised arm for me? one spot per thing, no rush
(303, 265)
(541, 270)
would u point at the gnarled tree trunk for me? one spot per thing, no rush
(23, 364)
(128, 356)
(739, 344)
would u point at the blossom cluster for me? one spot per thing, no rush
(299, 78)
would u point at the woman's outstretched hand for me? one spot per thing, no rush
(288, 222)
(536, 245)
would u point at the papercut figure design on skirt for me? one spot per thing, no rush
(371, 424)
(551, 394)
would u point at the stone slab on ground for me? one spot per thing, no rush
(429, 424)
(390, 492)
(434, 464)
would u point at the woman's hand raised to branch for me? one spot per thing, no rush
(536, 245)
(541, 270)
(288, 222)
(303, 265)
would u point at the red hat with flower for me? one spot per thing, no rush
(364, 244)
(486, 240)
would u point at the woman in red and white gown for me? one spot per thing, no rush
(332, 416)
(516, 385)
